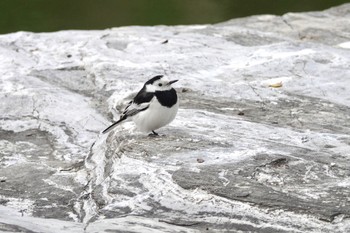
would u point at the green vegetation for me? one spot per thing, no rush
(53, 15)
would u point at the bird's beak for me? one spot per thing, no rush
(173, 81)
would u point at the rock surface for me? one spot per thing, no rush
(261, 142)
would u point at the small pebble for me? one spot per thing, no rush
(200, 160)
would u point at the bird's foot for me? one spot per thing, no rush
(153, 134)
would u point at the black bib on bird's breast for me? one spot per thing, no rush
(167, 98)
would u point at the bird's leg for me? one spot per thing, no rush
(153, 134)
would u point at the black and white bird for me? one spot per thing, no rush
(154, 106)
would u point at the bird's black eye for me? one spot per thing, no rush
(160, 84)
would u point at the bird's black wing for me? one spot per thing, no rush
(138, 104)
(130, 110)
(143, 96)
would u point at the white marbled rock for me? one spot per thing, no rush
(261, 142)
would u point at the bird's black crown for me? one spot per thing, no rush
(155, 78)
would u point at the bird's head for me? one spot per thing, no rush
(159, 83)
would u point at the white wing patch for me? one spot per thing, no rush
(132, 109)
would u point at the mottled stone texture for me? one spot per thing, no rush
(261, 142)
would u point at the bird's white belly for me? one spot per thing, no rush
(155, 117)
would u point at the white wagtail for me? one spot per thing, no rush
(154, 106)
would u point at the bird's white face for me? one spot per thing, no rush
(162, 84)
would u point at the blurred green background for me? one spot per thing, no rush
(53, 15)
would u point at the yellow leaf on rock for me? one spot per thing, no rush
(276, 85)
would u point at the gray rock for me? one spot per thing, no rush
(261, 141)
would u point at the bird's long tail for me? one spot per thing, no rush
(112, 126)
